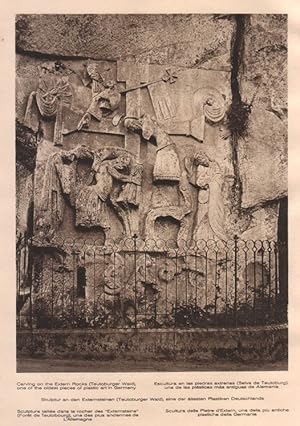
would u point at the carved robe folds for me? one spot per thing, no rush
(59, 180)
(207, 177)
(166, 165)
(131, 191)
(91, 207)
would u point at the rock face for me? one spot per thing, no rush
(265, 63)
(186, 40)
(135, 148)
(262, 155)
(263, 82)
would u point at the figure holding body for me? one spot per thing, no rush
(92, 201)
(128, 199)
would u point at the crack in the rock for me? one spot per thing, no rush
(239, 111)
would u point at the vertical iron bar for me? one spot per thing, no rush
(29, 278)
(114, 293)
(254, 283)
(206, 294)
(63, 289)
(94, 285)
(186, 281)
(52, 292)
(226, 286)
(155, 300)
(86, 322)
(235, 278)
(263, 313)
(276, 280)
(246, 282)
(196, 268)
(24, 268)
(135, 280)
(166, 305)
(269, 277)
(176, 287)
(73, 289)
(104, 282)
(19, 285)
(123, 291)
(145, 293)
(216, 288)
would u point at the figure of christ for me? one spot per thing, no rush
(166, 169)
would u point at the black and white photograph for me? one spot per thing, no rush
(151, 192)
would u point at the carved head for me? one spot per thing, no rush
(210, 102)
(122, 162)
(92, 70)
(137, 169)
(109, 84)
(201, 159)
(51, 90)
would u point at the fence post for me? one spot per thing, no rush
(29, 279)
(235, 278)
(135, 237)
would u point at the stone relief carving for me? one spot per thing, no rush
(209, 105)
(179, 212)
(105, 97)
(129, 198)
(59, 180)
(166, 169)
(206, 175)
(53, 94)
(114, 182)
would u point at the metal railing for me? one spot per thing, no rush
(132, 283)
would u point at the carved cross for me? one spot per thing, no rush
(133, 74)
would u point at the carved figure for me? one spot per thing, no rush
(209, 105)
(181, 212)
(53, 93)
(167, 166)
(105, 97)
(166, 169)
(128, 199)
(59, 180)
(206, 175)
(91, 203)
(115, 181)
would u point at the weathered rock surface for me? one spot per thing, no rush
(265, 62)
(262, 154)
(262, 157)
(183, 40)
(136, 144)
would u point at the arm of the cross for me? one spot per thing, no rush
(105, 126)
